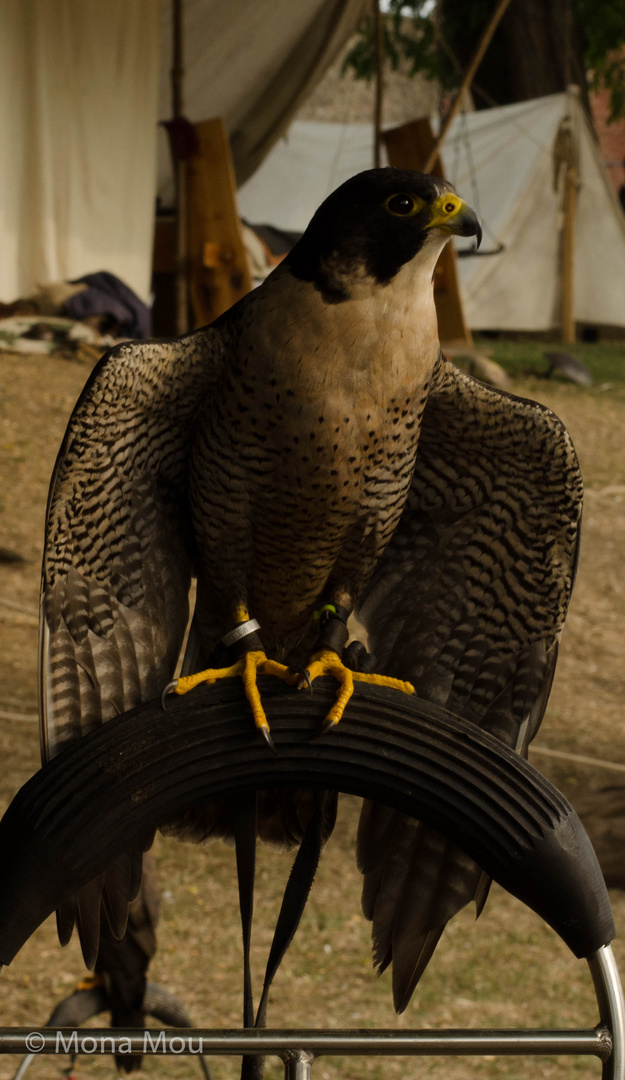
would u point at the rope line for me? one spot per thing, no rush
(21, 608)
(25, 718)
(580, 759)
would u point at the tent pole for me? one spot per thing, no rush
(177, 73)
(466, 82)
(378, 30)
(568, 254)
(567, 152)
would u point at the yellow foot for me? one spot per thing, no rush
(90, 982)
(327, 662)
(247, 668)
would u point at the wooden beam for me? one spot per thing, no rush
(408, 147)
(164, 257)
(378, 29)
(218, 268)
(180, 173)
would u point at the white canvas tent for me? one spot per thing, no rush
(501, 161)
(507, 156)
(80, 105)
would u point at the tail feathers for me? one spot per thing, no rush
(414, 882)
(117, 940)
(409, 965)
(116, 893)
(88, 900)
(283, 815)
(393, 876)
(136, 868)
(66, 920)
(481, 893)
(108, 895)
(282, 818)
(374, 828)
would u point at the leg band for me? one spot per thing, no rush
(243, 630)
(333, 634)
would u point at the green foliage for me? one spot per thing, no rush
(603, 30)
(410, 35)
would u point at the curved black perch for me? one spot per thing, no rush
(110, 789)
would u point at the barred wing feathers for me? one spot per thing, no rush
(117, 559)
(468, 602)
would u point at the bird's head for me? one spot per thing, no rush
(373, 225)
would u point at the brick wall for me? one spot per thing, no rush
(611, 138)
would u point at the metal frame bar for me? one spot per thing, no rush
(298, 1049)
(609, 993)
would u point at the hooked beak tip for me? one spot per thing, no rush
(466, 223)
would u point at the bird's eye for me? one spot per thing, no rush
(449, 207)
(402, 205)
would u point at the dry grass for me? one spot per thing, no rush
(507, 969)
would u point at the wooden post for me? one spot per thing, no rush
(180, 167)
(378, 30)
(568, 253)
(466, 82)
(218, 268)
(408, 147)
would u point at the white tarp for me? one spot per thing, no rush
(79, 102)
(502, 162)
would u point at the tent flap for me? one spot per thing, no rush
(82, 88)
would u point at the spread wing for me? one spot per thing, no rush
(468, 602)
(117, 560)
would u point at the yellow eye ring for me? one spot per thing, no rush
(403, 205)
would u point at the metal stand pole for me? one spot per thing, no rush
(611, 1008)
(298, 1065)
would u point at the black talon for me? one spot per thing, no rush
(267, 737)
(167, 690)
(305, 681)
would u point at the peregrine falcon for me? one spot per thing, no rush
(308, 455)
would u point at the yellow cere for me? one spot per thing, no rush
(444, 208)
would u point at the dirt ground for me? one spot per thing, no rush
(506, 970)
